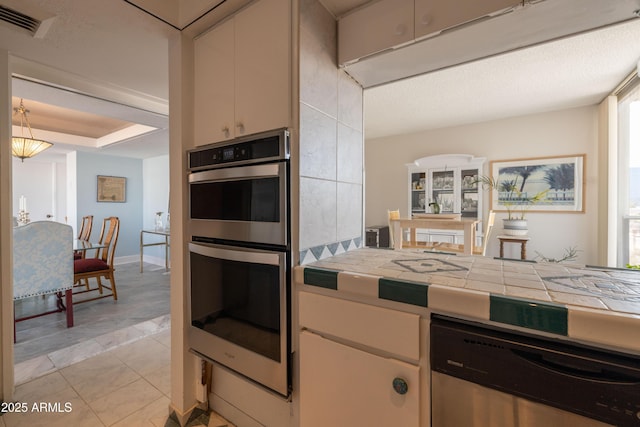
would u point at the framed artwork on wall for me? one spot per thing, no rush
(561, 180)
(112, 189)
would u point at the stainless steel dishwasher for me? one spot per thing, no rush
(492, 377)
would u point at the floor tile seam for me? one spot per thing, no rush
(156, 371)
(134, 410)
(87, 404)
(153, 402)
(62, 365)
(103, 395)
(59, 367)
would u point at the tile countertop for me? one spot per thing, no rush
(589, 304)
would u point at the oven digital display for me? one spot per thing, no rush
(227, 154)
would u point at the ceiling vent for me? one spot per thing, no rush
(28, 19)
(18, 19)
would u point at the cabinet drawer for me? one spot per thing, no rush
(391, 331)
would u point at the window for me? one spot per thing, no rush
(629, 176)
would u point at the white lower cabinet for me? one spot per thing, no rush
(343, 386)
(360, 365)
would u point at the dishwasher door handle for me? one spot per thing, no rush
(574, 371)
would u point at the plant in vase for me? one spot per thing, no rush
(158, 221)
(515, 201)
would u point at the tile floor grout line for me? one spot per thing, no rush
(57, 367)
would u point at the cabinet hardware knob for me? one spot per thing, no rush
(400, 29)
(225, 130)
(425, 19)
(400, 385)
(240, 125)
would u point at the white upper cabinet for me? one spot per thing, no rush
(389, 24)
(375, 28)
(214, 94)
(242, 74)
(263, 67)
(432, 16)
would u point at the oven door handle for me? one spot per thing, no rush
(238, 173)
(241, 255)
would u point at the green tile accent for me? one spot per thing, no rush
(542, 316)
(321, 278)
(400, 291)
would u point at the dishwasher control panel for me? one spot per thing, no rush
(588, 381)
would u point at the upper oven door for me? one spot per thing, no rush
(246, 203)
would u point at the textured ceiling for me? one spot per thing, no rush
(571, 72)
(122, 48)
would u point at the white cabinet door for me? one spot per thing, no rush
(242, 74)
(341, 386)
(382, 25)
(432, 16)
(214, 96)
(263, 64)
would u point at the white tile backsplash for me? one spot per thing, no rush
(318, 69)
(350, 102)
(349, 206)
(318, 144)
(349, 153)
(317, 212)
(331, 139)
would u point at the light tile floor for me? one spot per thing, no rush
(47, 363)
(124, 387)
(126, 384)
(116, 375)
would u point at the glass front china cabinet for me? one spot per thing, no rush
(446, 184)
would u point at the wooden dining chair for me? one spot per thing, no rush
(100, 267)
(477, 250)
(85, 228)
(84, 234)
(392, 214)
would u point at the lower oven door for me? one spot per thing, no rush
(239, 311)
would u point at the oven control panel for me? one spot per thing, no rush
(259, 148)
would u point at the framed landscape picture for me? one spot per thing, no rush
(112, 189)
(560, 180)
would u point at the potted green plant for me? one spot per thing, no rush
(515, 201)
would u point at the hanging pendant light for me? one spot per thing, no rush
(24, 147)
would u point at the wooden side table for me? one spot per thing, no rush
(514, 239)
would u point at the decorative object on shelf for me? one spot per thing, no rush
(24, 147)
(112, 189)
(167, 224)
(435, 207)
(23, 218)
(23, 215)
(158, 221)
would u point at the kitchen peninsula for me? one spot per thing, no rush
(382, 300)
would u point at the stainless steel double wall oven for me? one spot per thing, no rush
(240, 256)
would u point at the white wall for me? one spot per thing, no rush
(558, 133)
(88, 167)
(155, 196)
